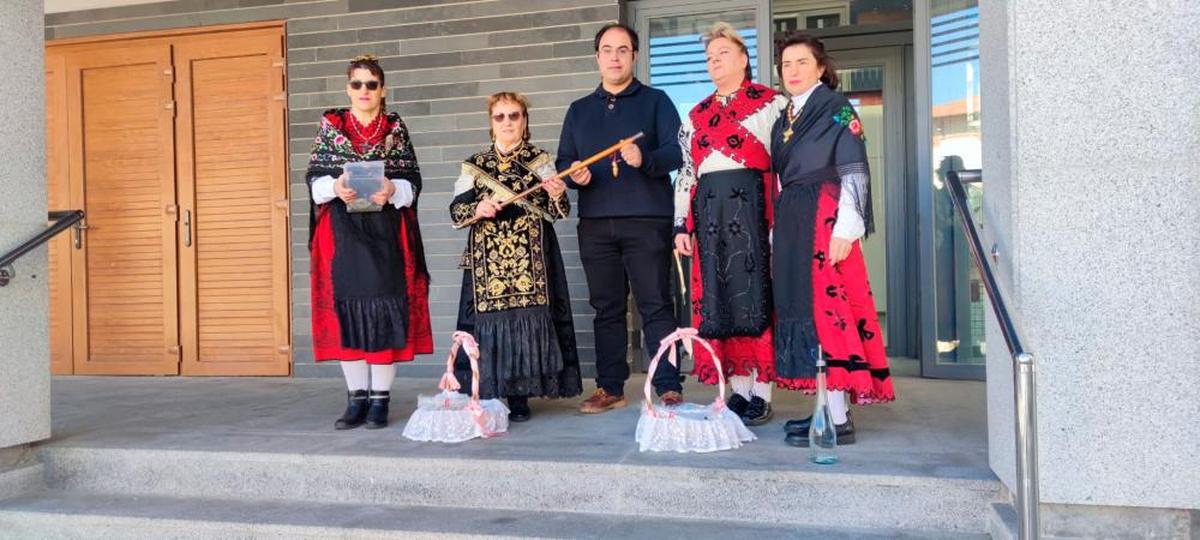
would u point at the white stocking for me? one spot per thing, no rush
(762, 390)
(355, 372)
(837, 406)
(382, 376)
(741, 385)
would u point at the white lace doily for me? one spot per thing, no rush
(446, 418)
(690, 428)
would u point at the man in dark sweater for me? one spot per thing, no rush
(625, 210)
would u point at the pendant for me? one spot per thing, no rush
(787, 134)
(615, 170)
(504, 167)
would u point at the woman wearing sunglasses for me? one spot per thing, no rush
(514, 297)
(370, 285)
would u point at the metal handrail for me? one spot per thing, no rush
(1024, 373)
(63, 220)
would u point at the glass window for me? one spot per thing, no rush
(955, 124)
(677, 62)
(820, 14)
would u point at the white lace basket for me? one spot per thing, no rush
(451, 416)
(688, 427)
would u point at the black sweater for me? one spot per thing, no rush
(597, 121)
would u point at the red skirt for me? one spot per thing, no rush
(327, 338)
(845, 318)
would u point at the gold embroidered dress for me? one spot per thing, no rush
(514, 297)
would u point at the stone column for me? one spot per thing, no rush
(24, 347)
(1091, 133)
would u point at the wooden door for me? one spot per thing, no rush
(233, 203)
(121, 169)
(58, 197)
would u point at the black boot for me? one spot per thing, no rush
(356, 410)
(758, 412)
(737, 404)
(518, 408)
(845, 435)
(377, 415)
(800, 427)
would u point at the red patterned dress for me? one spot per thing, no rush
(723, 199)
(819, 154)
(370, 284)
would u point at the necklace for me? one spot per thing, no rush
(723, 99)
(354, 126)
(791, 118)
(505, 162)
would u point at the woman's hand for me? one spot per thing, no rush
(382, 196)
(343, 192)
(555, 187)
(839, 249)
(486, 209)
(683, 244)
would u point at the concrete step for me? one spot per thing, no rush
(652, 486)
(22, 479)
(58, 515)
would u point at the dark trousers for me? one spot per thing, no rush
(618, 253)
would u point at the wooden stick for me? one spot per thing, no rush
(582, 164)
(682, 279)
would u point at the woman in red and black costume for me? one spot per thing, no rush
(370, 285)
(822, 298)
(723, 197)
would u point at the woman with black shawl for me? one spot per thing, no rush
(822, 298)
(514, 295)
(370, 285)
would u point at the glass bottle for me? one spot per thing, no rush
(822, 433)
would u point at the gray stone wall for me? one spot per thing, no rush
(24, 330)
(1093, 152)
(442, 58)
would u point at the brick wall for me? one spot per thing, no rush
(442, 58)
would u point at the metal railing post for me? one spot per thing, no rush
(1025, 384)
(1024, 372)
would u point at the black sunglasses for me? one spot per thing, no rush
(512, 116)
(371, 85)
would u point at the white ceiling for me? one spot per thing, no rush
(58, 6)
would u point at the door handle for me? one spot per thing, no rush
(187, 228)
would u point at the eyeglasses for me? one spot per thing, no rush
(618, 51)
(512, 116)
(371, 85)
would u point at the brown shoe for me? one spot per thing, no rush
(601, 401)
(671, 398)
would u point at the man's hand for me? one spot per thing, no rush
(583, 176)
(632, 155)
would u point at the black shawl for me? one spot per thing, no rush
(826, 145)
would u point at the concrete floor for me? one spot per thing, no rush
(935, 428)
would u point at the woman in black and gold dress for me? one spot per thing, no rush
(514, 296)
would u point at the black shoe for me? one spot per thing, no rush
(800, 427)
(518, 409)
(738, 405)
(758, 412)
(356, 410)
(377, 415)
(845, 435)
